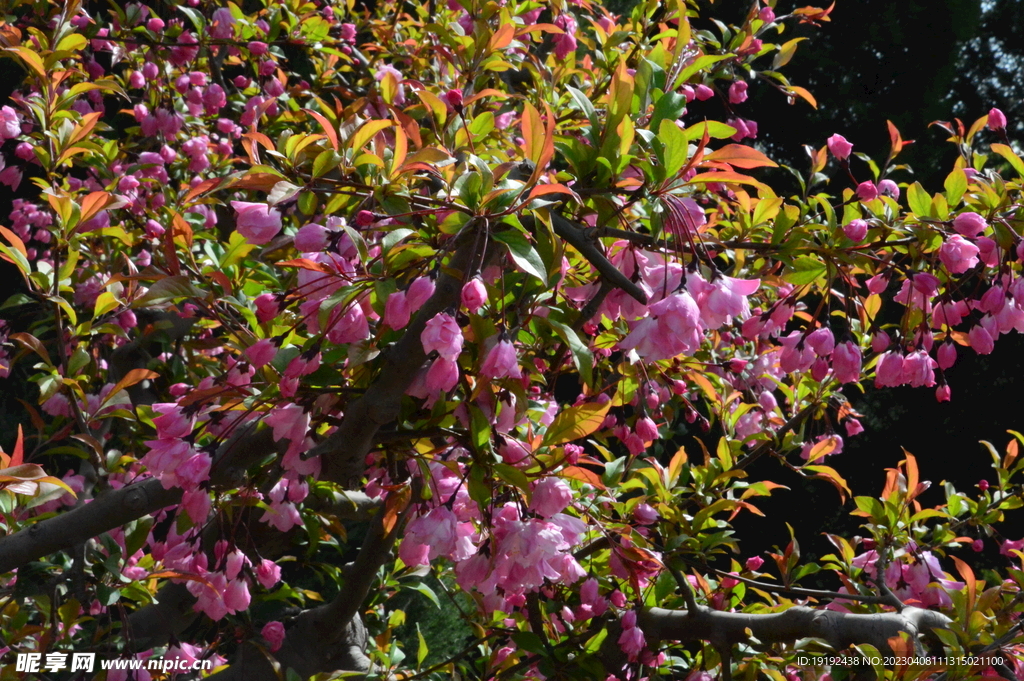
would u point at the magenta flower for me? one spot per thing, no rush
(274, 634)
(631, 641)
(474, 295)
(981, 340)
(958, 254)
(268, 573)
(396, 310)
(223, 24)
(767, 15)
(550, 496)
(919, 369)
(645, 514)
(821, 341)
(311, 238)
(443, 335)
(454, 98)
(969, 224)
(647, 429)
(754, 563)
(853, 427)
(947, 355)
(738, 92)
(889, 188)
(565, 43)
(889, 371)
(703, 93)
(856, 230)
(839, 147)
(10, 127)
(996, 120)
(257, 222)
(501, 361)
(867, 191)
(261, 352)
(442, 376)
(419, 292)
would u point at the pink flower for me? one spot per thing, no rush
(273, 632)
(645, 514)
(261, 352)
(867, 191)
(889, 188)
(268, 573)
(839, 146)
(856, 230)
(474, 295)
(632, 639)
(565, 43)
(767, 15)
(853, 427)
(919, 369)
(754, 563)
(821, 341)
(501, 361)
(958, 254)
(550, 496)
(981, 340)
(419, 292)
(443, 335)
(442, 376)
(946, 355)
(454, 98)
(257, 222)
(942, 393)
(738, 92)
(703, 93)
(10, 127)
(223, 24)
(969, 224)
(310, 238)
(236, 596)
(889, 371)
(396, 310)
(257, 47)
(996, 120)
(846, 362)
(172, 423)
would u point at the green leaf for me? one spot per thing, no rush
(676, 147)
(423, 650)
(805, 270)
(582, 357)
(919, 200)
(426, 591)
(669, 108)
(512, 476)
(325, 162)
(523, 253)
(701, 63)
(169, 288)
(238, 248)
(715, 129)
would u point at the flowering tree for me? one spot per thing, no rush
(316, 290)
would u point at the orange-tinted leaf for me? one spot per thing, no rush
(727, 177)
(131, 378)
(305, 264)
(803, 94)
(533, 134)
(201, 188)
(542, 189)
(33, 344)
(968, 576)
(85, 127)
(894, 139)
(832, 475)
(14, 240)
(741, 156)
(329, 129)
(583, 475)
(576, 422)
(675, 466)
(502, 37)
(822, 448)
(395, 504)
(367, 132)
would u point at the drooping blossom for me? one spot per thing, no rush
(550, 496)
(257, 222)
(501, 361)
(442, 335)
(969, 224)
(958, 254)
(867, 191)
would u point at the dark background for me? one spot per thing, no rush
(912, 62)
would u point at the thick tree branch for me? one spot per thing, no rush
(839, 629)
(344, 450)
(115, 508)
(583, 241)
(330, 637)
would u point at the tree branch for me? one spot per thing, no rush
(579, 238)
(839, 629)
(346, 448)
(115, 508)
